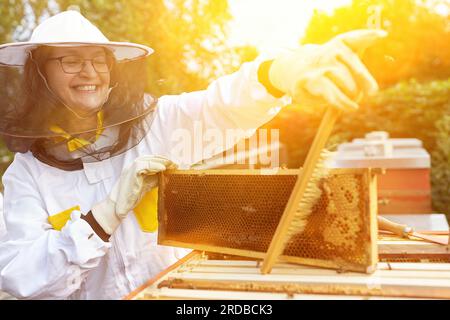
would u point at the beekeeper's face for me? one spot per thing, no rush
(80, 76)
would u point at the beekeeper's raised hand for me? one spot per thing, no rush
(134, 182)
(327, 74)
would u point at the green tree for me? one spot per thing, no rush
(11, 18)
(418, 44)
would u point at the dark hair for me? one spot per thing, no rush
(38, 99)
(18, 112)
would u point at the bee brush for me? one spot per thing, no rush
(304, 194)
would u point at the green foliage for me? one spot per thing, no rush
(441, 164)
(11, 17)
(407, 110)
(417, 46)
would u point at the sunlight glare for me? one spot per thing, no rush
(274, 23)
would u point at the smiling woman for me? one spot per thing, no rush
(71, 93)
(80, 77)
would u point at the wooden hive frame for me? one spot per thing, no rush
(203, 276)
(183, 217)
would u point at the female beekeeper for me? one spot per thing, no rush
(89, 144)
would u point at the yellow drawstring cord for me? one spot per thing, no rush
(77, 143)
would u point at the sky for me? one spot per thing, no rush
(273, 23)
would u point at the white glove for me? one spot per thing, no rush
(331, 73)
(134, 182)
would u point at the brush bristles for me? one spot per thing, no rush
(312, 193)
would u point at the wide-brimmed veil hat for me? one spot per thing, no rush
(69, 28)
(34, 118)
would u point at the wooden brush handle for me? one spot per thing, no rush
(397, 228)
(277, 244)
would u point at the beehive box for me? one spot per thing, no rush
(237, 212)
(405, 188)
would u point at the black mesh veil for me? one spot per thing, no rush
(33, 118)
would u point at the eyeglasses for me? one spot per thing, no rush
(75, 64)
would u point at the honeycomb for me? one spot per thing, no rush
(211, 211)
(338, 224)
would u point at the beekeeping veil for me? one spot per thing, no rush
(33, 118)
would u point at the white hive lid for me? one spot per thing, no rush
(377, 150)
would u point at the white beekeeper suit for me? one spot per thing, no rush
(2, 222)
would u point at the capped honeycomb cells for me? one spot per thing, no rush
(225, 210)
(338, 224)
(242, 211)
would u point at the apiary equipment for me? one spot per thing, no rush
(405, 188)
(237, 212)
(202, 275)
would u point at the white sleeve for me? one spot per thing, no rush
(230, 109)
(36, 261)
